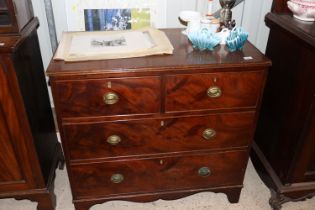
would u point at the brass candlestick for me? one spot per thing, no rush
(226, 13)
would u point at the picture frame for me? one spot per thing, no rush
(99, 15)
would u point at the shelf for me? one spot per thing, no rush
(302, 29)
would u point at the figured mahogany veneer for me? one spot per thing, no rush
(183, 134)
(156, 174)
(85, 97)
(188, 92)
(171, 126)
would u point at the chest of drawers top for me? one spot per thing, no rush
(184, 60)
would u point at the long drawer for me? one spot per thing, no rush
(158, 174)
(213, 91)
(150, 136)
(101, 97)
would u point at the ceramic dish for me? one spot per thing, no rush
(305, 3)
(236, 39)
(302, 10)
(204, 39)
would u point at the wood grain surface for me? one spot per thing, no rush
(162, 135)
(159, 174)
(83, 98)
(189, 92)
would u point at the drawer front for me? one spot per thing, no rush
(86, 98)
(158, 174)
(137, 137)
(213, 91)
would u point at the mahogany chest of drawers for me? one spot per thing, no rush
(158, 127)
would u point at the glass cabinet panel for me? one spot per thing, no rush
(3, 5)
(4, 13)
(4, 18)
(14, 15)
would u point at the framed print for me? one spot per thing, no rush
(100, 15)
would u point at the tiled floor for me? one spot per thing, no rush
(254, 197)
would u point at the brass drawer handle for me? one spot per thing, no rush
(214, 92)
(114, 140)
(204, 172)
(117, 178)
(209, 134)
(110, 98)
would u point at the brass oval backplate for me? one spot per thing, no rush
(204, 172)
(117, 178)
(114, 139)
(209, 133)
(214, 92)
(110, 98)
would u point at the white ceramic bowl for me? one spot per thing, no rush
(188, 15)
(192, 18)
(302, 10)
(304, 2)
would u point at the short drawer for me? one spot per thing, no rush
(213, 90)
(87, 98)
(158, 174)
(150, 136)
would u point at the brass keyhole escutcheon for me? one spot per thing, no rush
(204, 172)
(117, 178)
(214, 92)
(110, 98)
(114, 140)
(209, 133)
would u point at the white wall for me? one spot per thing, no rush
(59, 9)
(43, 32)
(173, 10)
(253, 22)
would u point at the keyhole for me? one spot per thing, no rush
(109, 84)
(215, 80)
(161, 162)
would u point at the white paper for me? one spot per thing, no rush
(109, 44)
(155, 42)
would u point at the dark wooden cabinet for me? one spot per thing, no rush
(158, 127)
(29, 151)
(284, 149)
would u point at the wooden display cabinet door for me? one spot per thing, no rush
(14, 15)
(15, 165)
(309, 174)
(8, 22)
(303, 169)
